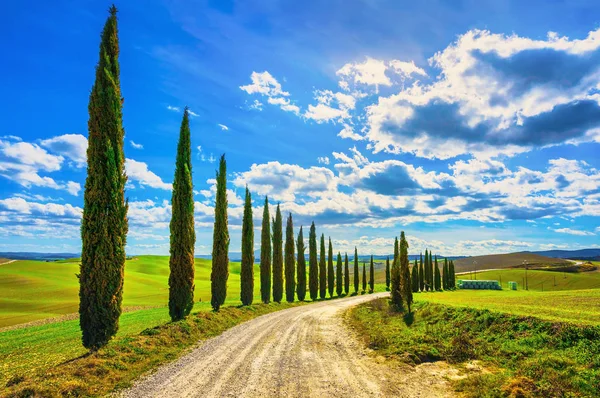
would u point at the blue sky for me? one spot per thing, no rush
(472, 125)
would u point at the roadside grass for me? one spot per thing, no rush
(540, 280)
(522, 356)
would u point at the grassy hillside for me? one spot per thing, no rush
(541, 280)
(508, 260)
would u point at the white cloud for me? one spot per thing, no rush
(265, 84)
(72, 146)
(173, 108)
(570, 231)
(256, 105)
(323, 159)
(284, 104)
(138, 171)
(29, 154)
(348, 132)
(372, 72)
(136, 146)
(192, 113)
(223, 127)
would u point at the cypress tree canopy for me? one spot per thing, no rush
(346, 275)
(339, 286)
(356, 275)
(247, 266)
(371, 276)
(364, 278)
(405, 284)
(322, 270)
(414, 277)
(330, 271)
(290, 265)
(301, 267)
(421, 275)
(220, 253)
(277, 257)
(387, 273)
(396, 294)
(313, 270)
(265, 255)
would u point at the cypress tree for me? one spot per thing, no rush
(183, 236)
(371, 276)
(405, 284)
(356, 276)
(445, 276)
(452, 275)
(339, 287)
(220, 253)
(438, 279)
(387, 274)
(104, 223)
(290, 270)
(426, 267)
(346, 275)
(330, 271)
(414, 277)
(364, 278)
(431, 271)
(313, 270)
(277, 257)
(265, 255)
(396, 293)
(421, 275)
(301, 267)
(322, 270)
(247, 266)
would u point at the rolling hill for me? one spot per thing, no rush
(583, 254)
(509, 260)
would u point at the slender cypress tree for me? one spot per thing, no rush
(452, 275)
(421, 275)
(183, 236)
(371, 276)
(313, 270)
(301, 267)
(364, 278)
(346, 275)
(330, 270)
(426, 266)
(290, 265)
(431, 271)
(104, 224)
(247, 266)
(339, 286)
(438, 280)
(445, 275)
(265, 255)
(414, 277)
(322, 270)
(356, 276)
(387, 274)
(405, 284)
(220, 253)
(396, 293)
(277, 257)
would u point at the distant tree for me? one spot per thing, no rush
(431, 271)
(104, 223)
(220, 253)
(396, 293)
(265, 255)
(387, 274)
(356, 275)
(421, 274)
(426, 268)
(405, 285)
(330, 271)
(322, 270)
(247, 266)
(290, 261)
(339, 286)
(445, 275)
(438, 278)
(277, 256)
(364, 278)
(346, 275)
(414, 277)
(371, 276)
(183, 235)
(452, 275)
(313, 270)
(301, 267)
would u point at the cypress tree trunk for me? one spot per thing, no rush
(356, 276)
(445, 275)
(405, 285)
(414, 276)
(452, 275)
(322, 270)
(421, 275)
(313, 270)
(220, 253)
(339, 287)
(183, 236)
(330, 271)
(346, 275)
(396, 293)
(371, 276)
(290, 266)
(364, 278)
(387, 274)
(277, 257)
(301, 267)
(247, 266)
(104, 222)
(265, 255)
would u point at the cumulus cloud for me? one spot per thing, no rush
(265, 84)
(139, 172)
(71, 146)
(576, 232)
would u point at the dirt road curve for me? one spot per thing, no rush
(299, 352)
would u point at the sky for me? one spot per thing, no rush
(473, 126)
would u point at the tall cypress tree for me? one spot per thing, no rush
(414, 277)
(431, 271)
(396, 293)
(277, 257)
(387, 274)
(265, 255)
(371, 276)
(322, 270)
(104, 224)
(220, 253)
(438, 280)
(313, 270)
(356, 276)
(405, 285)
(339, 287)
(290, 265)
(426, 267)
(421, 274)
(301, 267)
(330, 271)
(452, 275)
(364, 278)
(445, 275)
(247, 266)
(183, 236)
(346, 275)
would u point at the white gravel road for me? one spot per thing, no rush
(303, 351)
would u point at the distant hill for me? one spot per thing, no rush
(509, 260)
(583, 254)
(38, 256)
